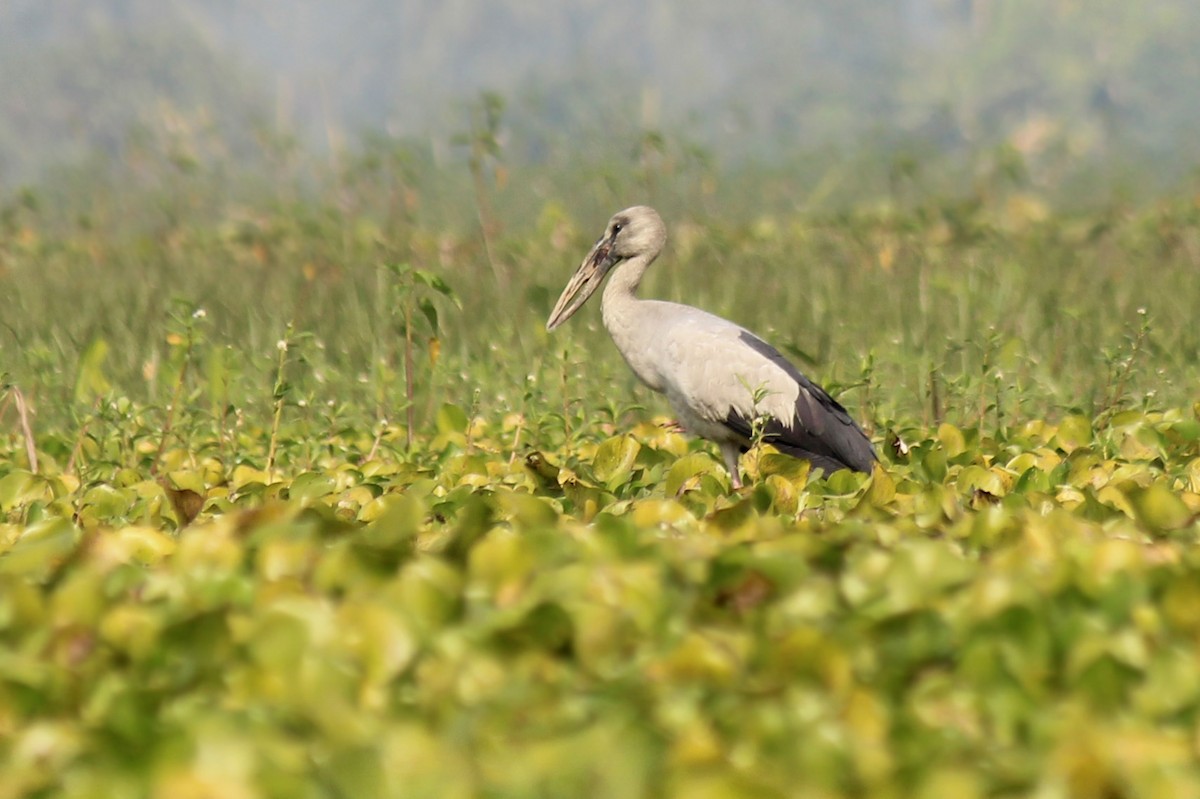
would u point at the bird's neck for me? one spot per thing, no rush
(631, 321)
(624, 281)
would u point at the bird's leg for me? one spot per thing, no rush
(730, 453)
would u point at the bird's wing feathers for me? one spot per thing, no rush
(714, 370)
(821, 426)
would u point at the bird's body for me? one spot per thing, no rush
(719, 377)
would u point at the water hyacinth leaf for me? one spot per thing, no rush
(785, 498)
(526, 510)
(245, 475)
(451, 419)
(187, 479)
(17, 488)
(103, 502)
(1073, 432)
(286, 558)
(844, 482)
(501, 561)
(586, 500)
(545, 626)
(683, 472)
(132, 630)
(934, 464)
(429, 590)
(715, 658)
(733, 517)
(1159, 508)
(656, 512)
(792, 469)
(136, 544)
(1172, 684)
(1144, 442)
(40, 549)
(397, 525)
(882, 489)
(357, 772)
(310, 487)
(475, 517)
(379, 638)
(954, 443)
(614, 460)
(974, 479)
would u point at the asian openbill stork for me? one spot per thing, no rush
(710, 369)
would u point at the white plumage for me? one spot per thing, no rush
(718, 377)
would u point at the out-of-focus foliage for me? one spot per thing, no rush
(1000, 613)
(990, 309)
(1083, 89)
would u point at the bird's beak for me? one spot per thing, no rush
(585, 282)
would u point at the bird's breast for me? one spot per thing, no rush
(635, 330)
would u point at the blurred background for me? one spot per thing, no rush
(897, 193)
(1086, 100)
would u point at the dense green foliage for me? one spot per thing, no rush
(299, 499)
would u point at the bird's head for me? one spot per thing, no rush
(636, 231)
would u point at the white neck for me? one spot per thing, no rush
(629, 320)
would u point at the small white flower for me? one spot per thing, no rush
(281, 345)
(200, 313)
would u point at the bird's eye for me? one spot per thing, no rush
(617, 227)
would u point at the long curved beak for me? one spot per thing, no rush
(584, 283)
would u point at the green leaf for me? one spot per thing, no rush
(882, 489)
(526, 510)
(18, 487)
(794, 470)
(451, 419)
(953, 441)
(435, 282)
(310, 487)
(1074, 432)
(187, 479)
(217, 372)
(90, 380)
(430, 312)
(614, 460)
(41, 548)
(686, 468)
(399, 523)
(1159, 508)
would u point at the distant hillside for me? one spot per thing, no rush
(1056, 79)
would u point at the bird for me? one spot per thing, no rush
(724, 383)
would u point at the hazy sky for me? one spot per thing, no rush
(1087, 77)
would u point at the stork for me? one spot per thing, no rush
(724, 383)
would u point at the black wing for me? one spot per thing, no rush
(822, 432)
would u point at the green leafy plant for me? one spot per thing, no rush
(225, 571)
(413, 292)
